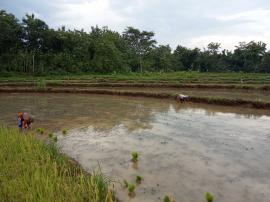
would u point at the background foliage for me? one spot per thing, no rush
(30, 46)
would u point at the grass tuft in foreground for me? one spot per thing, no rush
(30, 170)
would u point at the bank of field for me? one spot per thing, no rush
(31, 170)
(150, 77)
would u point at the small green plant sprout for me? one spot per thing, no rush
(55, 139)
(209, 197)
(134, 156)
(131, 188)
(40, 131)
(50, 135)
(138, 179)
(64, 131)
(168, 199)
(125, 183)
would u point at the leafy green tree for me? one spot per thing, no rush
(186, 59)
(213, 48)
(163, 58)
(30, 46)
(247, 56)
(210, 59)
(265, 65)
(10, 40)
(34, 32)
(140, 42)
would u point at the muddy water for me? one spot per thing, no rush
(185, 149)
(253, 95)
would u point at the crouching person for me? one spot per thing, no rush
(182, 98)
(25, 120)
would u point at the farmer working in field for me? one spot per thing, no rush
(182, 98)
(25, 120)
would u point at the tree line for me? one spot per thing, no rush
(30, 46)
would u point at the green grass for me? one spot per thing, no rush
(172, 77)
(31, 170)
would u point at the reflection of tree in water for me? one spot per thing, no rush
(103, 112)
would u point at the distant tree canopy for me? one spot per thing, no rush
(30, 46)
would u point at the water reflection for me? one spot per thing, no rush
(103, 112)
(185, 149)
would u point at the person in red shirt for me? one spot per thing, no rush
(25, 120)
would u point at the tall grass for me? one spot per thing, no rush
(30, 170)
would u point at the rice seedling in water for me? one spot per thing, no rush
(40, 131)
(131, 188)
(134, 156)
(209, 197)
(168, 199)
(138, 179)
(64, 131)
(125, 184)
(55, 139)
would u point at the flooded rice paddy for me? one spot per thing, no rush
(184, 150)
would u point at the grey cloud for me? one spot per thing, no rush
(173, 21)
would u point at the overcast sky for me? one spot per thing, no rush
(192, 23)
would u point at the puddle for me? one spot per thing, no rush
(184, 150)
